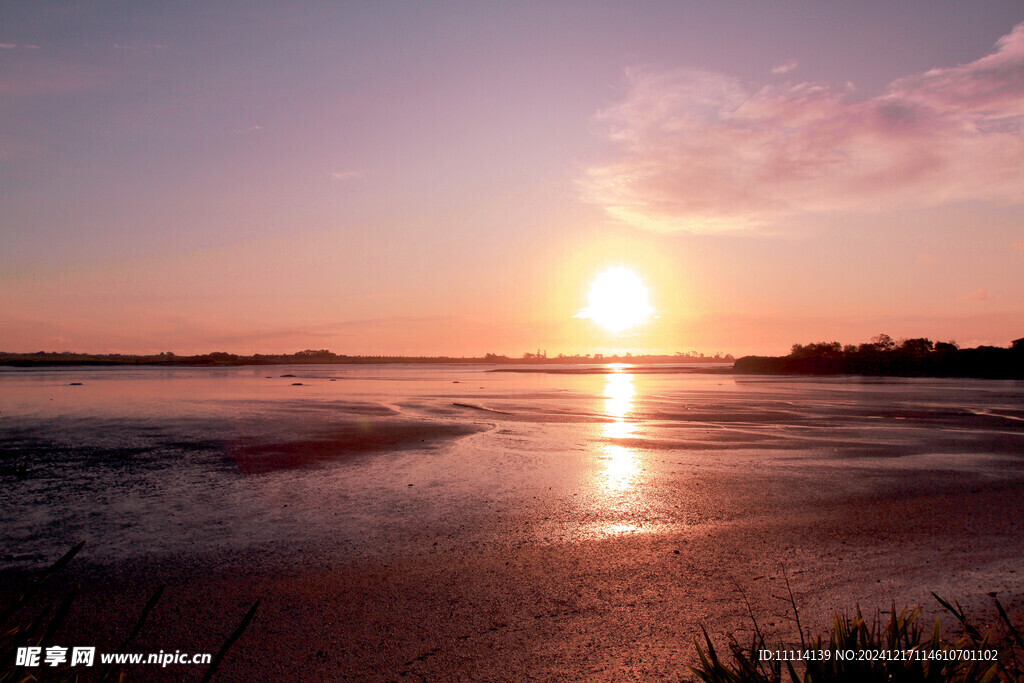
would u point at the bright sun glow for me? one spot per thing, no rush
(618, 300)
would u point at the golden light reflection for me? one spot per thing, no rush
(621, 466)
(621, 463)
(618, 393)
(619, 429)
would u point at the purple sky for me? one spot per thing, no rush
(450, 177)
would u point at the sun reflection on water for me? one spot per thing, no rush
(620, 467)
(619, 392)
(621, 463)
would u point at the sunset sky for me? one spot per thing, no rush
(451, 177)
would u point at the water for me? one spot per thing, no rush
(145, 462)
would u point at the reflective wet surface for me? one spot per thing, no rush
(362, 460)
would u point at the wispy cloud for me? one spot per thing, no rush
(145, 46)
(8, 46)
(255, 128)
(45, 77)
(785, 67)
(347, 175)
(704, 152)
(978, 295)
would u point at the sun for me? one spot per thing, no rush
(618, 300)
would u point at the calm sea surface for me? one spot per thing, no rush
(145, 462)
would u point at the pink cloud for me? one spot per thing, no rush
(785, 67)
(255, 128)
(1018, 245)
(146, 46)
(703, 152)
(979, 295)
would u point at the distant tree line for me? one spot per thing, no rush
(323, 356)
(216, 358)
(628, 357)
(919, 357)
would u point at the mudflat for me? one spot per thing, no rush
(548, 527)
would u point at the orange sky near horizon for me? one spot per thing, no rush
(406, 180)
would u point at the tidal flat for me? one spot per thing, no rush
(449, 522)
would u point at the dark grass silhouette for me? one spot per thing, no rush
(927, 655)
(42, 629)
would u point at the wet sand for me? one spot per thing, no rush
(582, 531)
(494, 602)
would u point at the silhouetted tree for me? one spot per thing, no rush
(817, 350)
(917, 347)
(882, 342)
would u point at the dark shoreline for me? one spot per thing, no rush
(981, 363)
(215, 360)
(748, 365)
(882, 357)
(649, 369)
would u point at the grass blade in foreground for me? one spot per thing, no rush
(235, 635)
(933, 661)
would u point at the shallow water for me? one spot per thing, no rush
(144, 462)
